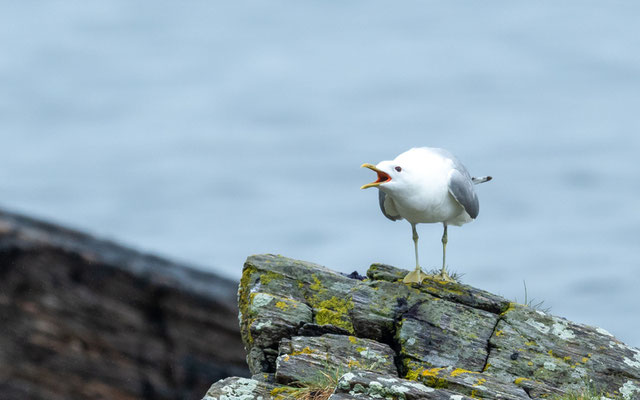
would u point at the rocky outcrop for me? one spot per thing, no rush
(82, 318)
(309, 329)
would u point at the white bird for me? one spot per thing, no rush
(426, 185)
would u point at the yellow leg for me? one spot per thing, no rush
(415, 276)
(443, 273)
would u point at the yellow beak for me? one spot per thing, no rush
(383, 177)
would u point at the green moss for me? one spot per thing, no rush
(333, 311)
(330, 317)
(414, 369)
(565, 359)
(435, 382)
(510, 307)
(269, 276)
(244, 289)
(283, 392)
(317, 285)
(588, 392)
(244, 293)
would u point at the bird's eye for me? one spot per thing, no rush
(398, 168)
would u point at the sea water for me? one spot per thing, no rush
(209, 131)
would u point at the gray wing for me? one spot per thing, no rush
(461, 188)
(387, 206)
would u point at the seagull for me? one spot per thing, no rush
(426, 185)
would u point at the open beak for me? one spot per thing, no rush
(383, 177)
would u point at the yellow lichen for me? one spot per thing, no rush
(431, 372)
(499, 333)
(442, 288)
(317, 284)
(510, 307)
(460, 371)
(305, 350)
(530, 363)
(282, 305)
(413, 370)
(479, 382)
(486, 367)
(566, 359)
(335, 311)
(353, 339)
(518, 381)
(531, 343)
(243, 303)
(268, 277)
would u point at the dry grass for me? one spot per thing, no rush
(320, 388)
(589, 392)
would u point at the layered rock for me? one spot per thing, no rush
(306, 327)
(83, 318)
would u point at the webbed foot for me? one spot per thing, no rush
(415, 276)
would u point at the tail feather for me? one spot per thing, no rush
(481, 179)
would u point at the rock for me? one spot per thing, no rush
(239, 389)
(372, 385)
(306, 326)
(535, 345)
(87, 318)
(441, 333)
(470, 383)
(305, 359)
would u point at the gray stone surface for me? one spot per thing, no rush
(373, 385)
(545, 348)
(239, 389)
(441, 333)
(447, 340)
(304, 360)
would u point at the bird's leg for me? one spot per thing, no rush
(445, 240)
(443, 273)
(415, 243)
(416, 275)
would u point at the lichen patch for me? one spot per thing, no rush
(539, 326)
(561, 329)
(628, 390)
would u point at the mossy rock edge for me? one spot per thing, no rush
(306, 326)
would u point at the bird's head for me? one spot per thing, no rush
(389, 175)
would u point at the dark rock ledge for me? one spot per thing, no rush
(306, 326)
(84, 318)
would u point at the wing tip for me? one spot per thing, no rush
(481, 179)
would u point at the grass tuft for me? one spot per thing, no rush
(589, 392)
(533, 302)
(321, 388)
(456, 276)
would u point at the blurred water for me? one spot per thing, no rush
(207, 132)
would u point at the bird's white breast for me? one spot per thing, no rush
(425, 197)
